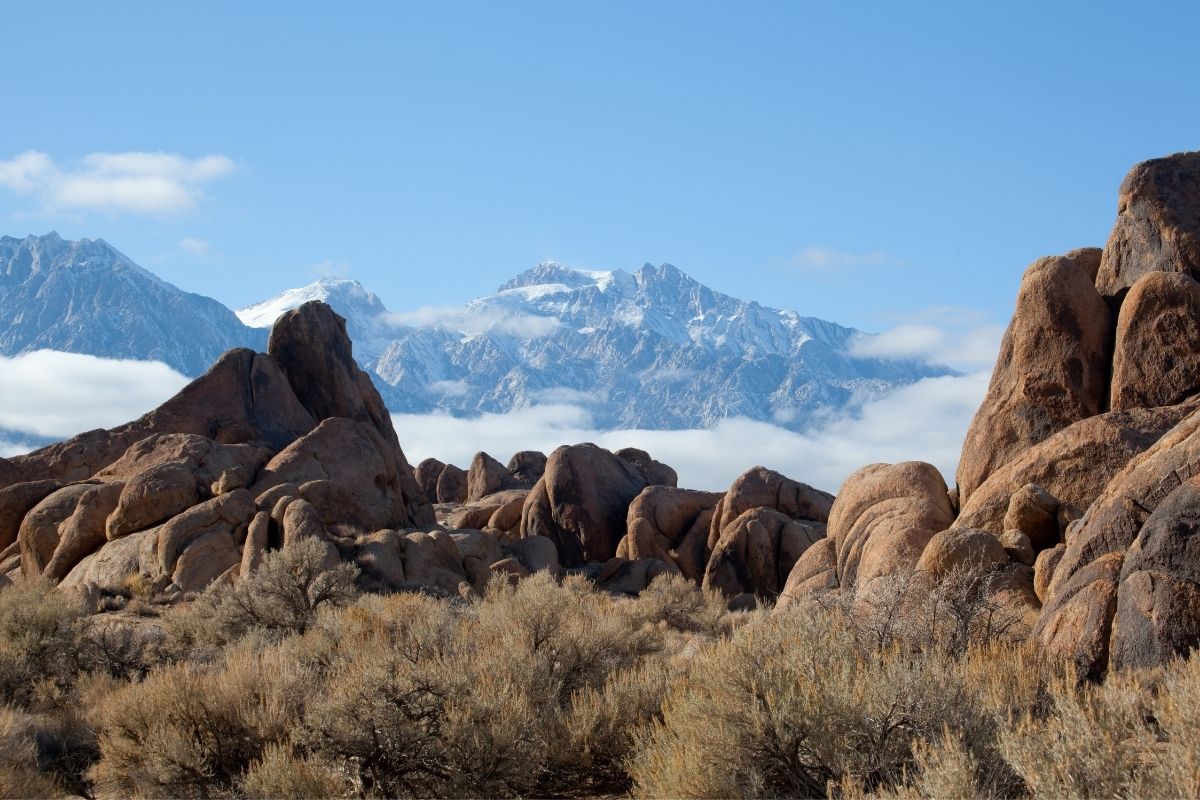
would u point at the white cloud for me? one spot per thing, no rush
(451, 388)
(925, 421)
(9, 449)
(476, 319)
(964, 348)
(136, 183)
(829, 258)
(194, 246)
(330, 269)
(51, 393)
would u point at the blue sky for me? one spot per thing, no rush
(862, 162)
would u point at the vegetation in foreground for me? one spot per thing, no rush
(293, 685)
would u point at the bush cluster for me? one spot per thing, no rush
(292, 685)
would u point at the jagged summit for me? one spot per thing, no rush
(86, 296)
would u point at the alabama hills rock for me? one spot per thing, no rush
(1078, 489)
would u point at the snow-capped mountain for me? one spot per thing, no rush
(366, 318)
(652, 348)
(86, 297)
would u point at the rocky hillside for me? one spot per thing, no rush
(1074, 515)
(86, 297)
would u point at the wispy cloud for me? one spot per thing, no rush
(194, 246)
(821, 258)
(925, 421)
(134, 182)
(967, 347)
(476, 319)
(51, 393)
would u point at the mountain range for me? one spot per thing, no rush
(649, 348)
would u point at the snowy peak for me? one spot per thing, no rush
(342, 294)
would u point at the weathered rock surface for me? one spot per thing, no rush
(1074, 465)
(1156, 361)
(18, 500)
(756, 552)
(884, 516)
(427, 474)
(485, 476)
(527, 467)
(581, 502)
(760, 487)
(452, 485)
(1158, 224)
(1052, 369)
(958, 549)
(654, 472)
(814, 573)
(82, 533)
(670, 525)
(38, 535)
(1033, 511)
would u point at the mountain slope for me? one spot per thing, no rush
(86, 297)
(649, 349)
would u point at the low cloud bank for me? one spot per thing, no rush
(56, 394)
(925, 421)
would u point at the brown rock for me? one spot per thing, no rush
(581, 502)
(1076, 620)
(622, 576)
(659, 522)
(654, 472)
(257, 535)
(355, 455)
(243, 397)
(301, 521)
(757, 551)
(1043, 570)
(1052, 369)
(511, 567)
(38, 535)
(1033, 511)
(1158, 224)
(224, 514)
(337, 507)
(536, 553)
(452, 485)
(82, 533)
(477, 515)
(205, 559)
(1156, 362)
(760, 487)
(152, 496)
(267, 500)
(814, 573)
(477, 545)
(527, 467)
(432, 561)
(486, 476)
(113, 563)
(16, 501)
(961, 548)
(1074, 465)
(507, 518)
(236, 477)
(884, 516)
(379, 558)
(1018, 547)
(427, 474)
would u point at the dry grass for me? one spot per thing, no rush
(291, 686)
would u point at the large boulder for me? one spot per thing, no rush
(656, 473)
(581, 502)
(1074, 465)
(16, 501)
(427, 474)
(527, 467)
(757, 551)
(452, 485)
(1156, 361)
(813, 574)
(82, 533)
(1158, 224)
(670, 525)
(485, 476)
(38, 535)
(1076, 620)
(884, 516)
(760, 487)
(1052, 370)
(224, 514)
(356, 455)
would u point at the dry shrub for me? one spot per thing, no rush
(38, 641)
(792, 704)
(19, 773)
(191, 731)
(282, 775)
(282, 597)
(674, 601)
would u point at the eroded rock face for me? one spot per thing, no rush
(814, 573)
(654, 472)
(581, 502)
(757, 551)
(486, 476)
(18, 500)
(1052, 370)
(527, 467)
(883, 518)
(1156, 361)
(1158, 224)
(452, 485)
(760, 487)
(1074, 465)
(670, 525)
(427, 474)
